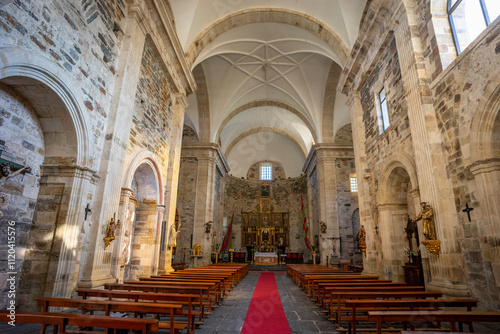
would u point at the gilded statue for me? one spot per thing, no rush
(427, 217)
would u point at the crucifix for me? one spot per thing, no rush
(468, 210)
(8, 163)
(87, 210)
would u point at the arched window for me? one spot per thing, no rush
(354, 183)
(468, 18)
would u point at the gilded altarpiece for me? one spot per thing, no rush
(264, 228)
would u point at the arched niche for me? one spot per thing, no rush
(52, 135)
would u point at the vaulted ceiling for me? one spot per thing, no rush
(266, 72)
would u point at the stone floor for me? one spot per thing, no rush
(228, 318)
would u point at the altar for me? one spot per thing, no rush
(265, 258)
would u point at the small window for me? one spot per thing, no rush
(383, 109)
(468, 18)
(354, 183)
(265, 172)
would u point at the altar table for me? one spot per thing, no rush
(266, 258)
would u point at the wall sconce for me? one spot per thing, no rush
(376, 229)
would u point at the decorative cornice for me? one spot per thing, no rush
(327, 151)
(197, 151)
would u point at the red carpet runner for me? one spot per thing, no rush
(265, 313)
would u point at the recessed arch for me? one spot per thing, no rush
(266, 103)
(140, 158)
(264, 129)
(397, 160)
(16, 65)
(261, 15)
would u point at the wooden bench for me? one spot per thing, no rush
(176, 298)
(61, 320)
(203, 293)
(356, 305)
(323, 288)
(118, 306)
(452, 317)
(338, 298)
(178, 265)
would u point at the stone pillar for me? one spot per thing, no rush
(365, 177)
(123, 226)
(323, 158)
(96, 269)
(434, 184)
(173, 177)
(204, 202)
(160, 210)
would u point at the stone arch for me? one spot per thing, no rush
(485, 167)
(19, 68)
(260, 15)
(264, 129)
(265, 103)
(52, 243)
(142, 211)
(396, 199)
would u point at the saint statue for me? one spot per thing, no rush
(427, 218)
(172, 238)
(124, 257)
(361, 237)
(110, 233)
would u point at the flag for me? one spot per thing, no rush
(305, 225)
(226, 243)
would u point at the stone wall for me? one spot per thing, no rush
(277, 171)
(185, 205)
(151, 124)
(347, 203)
(462, 96)
(243, 195)
(22, 135)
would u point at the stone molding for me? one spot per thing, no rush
(70, 171)
(326, 152)
(206, 151)
(154, 11)
(484, 166)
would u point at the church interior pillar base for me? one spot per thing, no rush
(451, 289)
(96, 281)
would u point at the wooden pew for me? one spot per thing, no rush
(118, 306)
(338, 298)
(367, 288)
(61, 320)
(211, 288)
(218, 289)
(324, 287)
(356, 305)
(314, 283)
(201, 292)
(178, 265)
(452, 317)
(176, 298)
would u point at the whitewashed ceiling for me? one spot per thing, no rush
(283, 67)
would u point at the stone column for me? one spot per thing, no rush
(123, 217)
(204, 202)
(96, 269)
(434, 184)
(173, 177)
(364, 176)
(160, 210)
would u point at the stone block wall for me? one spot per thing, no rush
(396, 138)
(82, 38)
(243, 195)
(347, 203)
(151, 124)
(186, 195)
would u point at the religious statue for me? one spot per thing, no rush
(124, 257)
(172, 238)
(7, 173)
(322, 226)
(281, 241)
(110, 233)
(427, 217)
(208, 225)
(361, 238)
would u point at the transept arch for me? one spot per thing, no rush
(260, 15)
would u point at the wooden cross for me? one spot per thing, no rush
(87, 210)
(468, 210)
